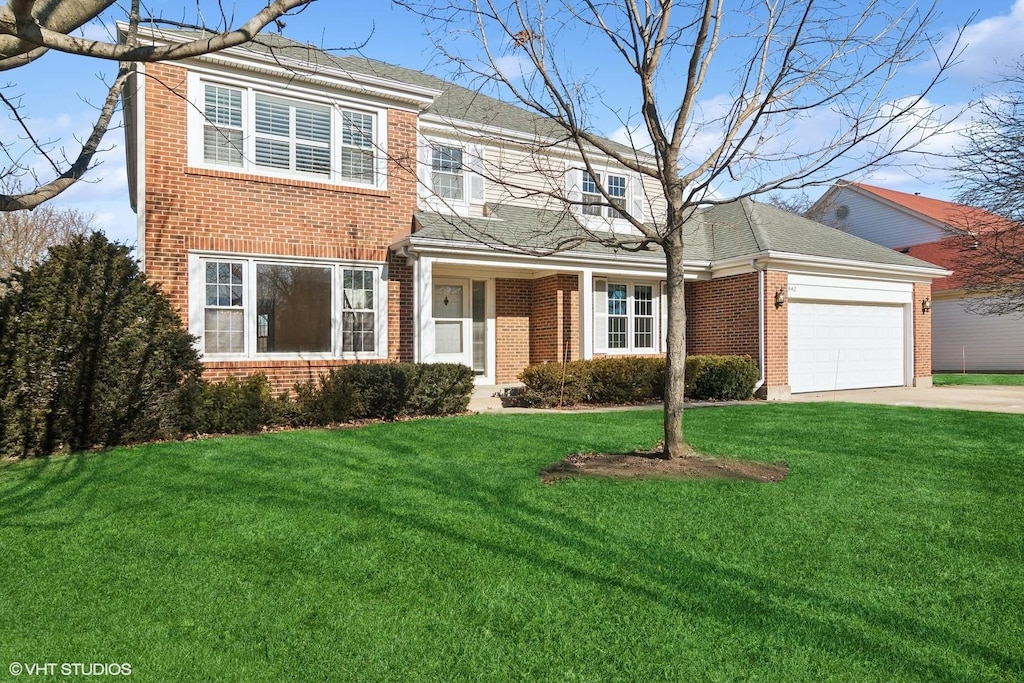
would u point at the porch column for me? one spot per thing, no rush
(423, 284)
(586, 288)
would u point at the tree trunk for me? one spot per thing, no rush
(675, 353)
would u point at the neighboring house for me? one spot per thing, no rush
(303, 210)
(962, 340)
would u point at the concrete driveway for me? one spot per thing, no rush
(991, 399)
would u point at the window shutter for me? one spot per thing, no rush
(663, 305)
(574, 180)
(424, 168)
(476, 176)
(600, 315)
(637, 210)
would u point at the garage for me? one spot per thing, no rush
(847, 334)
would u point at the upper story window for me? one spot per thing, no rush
(446, 174)
(254, 131)
(594, 203)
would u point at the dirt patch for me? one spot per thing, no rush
(653, 465)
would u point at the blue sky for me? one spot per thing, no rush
(57, 92)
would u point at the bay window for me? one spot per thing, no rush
(254, 307)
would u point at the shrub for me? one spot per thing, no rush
(334, 400)
(635, 380)
(382, 389)
(626, 380)
(720, 378)
(236, 406)
(554, 384)
(439, 389)
(90, 354)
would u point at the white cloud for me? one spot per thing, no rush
(990, 45)
(513, 67)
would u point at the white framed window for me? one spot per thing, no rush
(245, 127)
(625, 315)
(447, 178)
(594, 203)
(258, 307)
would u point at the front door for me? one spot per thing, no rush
(453, 329)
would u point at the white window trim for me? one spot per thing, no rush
(657, 306)
(473, 181)
(196, 120)
(634, 204)
(197, 306)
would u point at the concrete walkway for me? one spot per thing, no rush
(990, 399)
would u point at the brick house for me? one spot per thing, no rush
(963, 340)
(304, 210)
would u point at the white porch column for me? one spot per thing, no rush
(423, 284)
(586, 287)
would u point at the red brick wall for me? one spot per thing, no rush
(197, 209)
(776, 331)
(922, 332)
(721, 316)
(513, 304)
(554, 325)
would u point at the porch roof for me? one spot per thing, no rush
(739, 229)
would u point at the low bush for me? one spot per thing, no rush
(239, 405)
(360, 391)
(626, 380)
(635, 380)
(554, 384)
(439, 389)
(720, 378)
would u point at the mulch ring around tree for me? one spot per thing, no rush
(653, 465)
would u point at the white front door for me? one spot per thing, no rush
(451, 309)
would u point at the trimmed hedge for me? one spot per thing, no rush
(362, 391)
(632, 380)
(720, 378)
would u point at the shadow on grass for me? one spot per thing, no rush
(488, 501)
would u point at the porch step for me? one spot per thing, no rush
(487, 397)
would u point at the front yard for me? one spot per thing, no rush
(430, 550)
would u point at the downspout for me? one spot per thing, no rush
(760, 322)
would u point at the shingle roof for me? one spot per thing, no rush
(950, 214)
(733, 230)
(455, 101)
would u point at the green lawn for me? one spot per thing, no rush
(979, 380)
(429, 551)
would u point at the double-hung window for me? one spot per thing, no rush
(255, 307)
(247, 129)
(594, 203)
(627, 312)
(446, 172)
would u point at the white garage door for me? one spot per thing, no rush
(845, 346)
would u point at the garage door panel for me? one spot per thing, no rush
(845, 346)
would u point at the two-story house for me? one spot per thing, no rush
(304, 210)
(962, 339)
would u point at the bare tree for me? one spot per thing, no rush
(990, 179)
(26, 236)
(798, 204)
(791, 64)
(29, 29)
